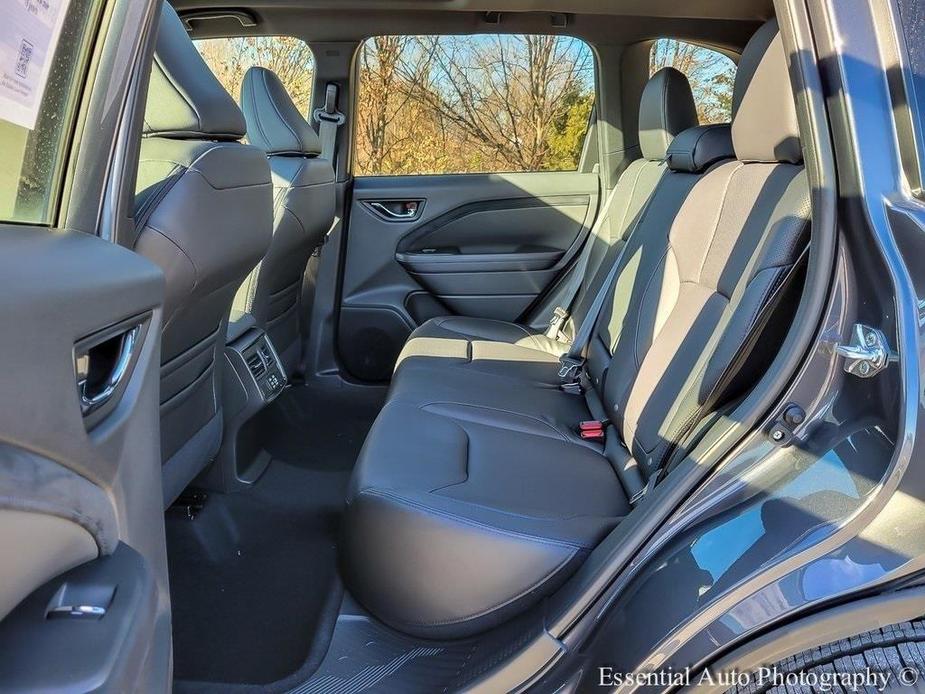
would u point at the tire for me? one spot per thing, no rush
(894, 653)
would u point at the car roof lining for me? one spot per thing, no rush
(719, 23)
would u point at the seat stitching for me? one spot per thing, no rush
(258, 120)
(515, 514)
(394, 496)
(636, 360)
(562, 436)
(298, 141)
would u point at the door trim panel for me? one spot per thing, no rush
(486, 245)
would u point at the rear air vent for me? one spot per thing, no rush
(256, 365)
(264, 350)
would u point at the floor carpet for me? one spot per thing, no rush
(253, 577)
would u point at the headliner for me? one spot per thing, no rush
(722, 23)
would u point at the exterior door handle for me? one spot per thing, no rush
(95, 395)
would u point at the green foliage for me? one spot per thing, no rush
(567, 137)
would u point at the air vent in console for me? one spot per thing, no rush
(264, 350)
(256, 364)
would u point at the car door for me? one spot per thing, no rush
(472, 192)
(84, 603)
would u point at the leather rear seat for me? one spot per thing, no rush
(473, 497)
(666, 108)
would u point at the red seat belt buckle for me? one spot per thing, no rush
(591, 431)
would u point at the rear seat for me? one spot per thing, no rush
(666, 109)
(473, 497)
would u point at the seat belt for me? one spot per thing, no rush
(561, 313)
(329, 120)
(573, 361)
(738, 360)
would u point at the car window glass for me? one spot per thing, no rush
(290, 58)
(33, 162)
(710, 73)
(471, 104)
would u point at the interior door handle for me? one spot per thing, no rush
(96, 390)
(398, 210)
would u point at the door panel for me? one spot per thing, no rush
(80, 486)
(483, 245)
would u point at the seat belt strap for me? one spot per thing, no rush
(650, 485)
(561, 313)
(572, 362)
(329, 120)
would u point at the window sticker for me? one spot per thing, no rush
(29, 34)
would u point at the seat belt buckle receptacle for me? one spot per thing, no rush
(559, 316)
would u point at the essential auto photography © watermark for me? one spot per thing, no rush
(815, 679)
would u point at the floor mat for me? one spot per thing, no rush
(319, 425)
(253, 577)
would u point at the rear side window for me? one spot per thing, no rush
(290, 58)
(710, 73)
(472, 104)
(41, 81)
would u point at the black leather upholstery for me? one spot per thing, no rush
(203, 214)
(303, 213)
(273, 121)
(696, 149)
(474, 497)
(667, 108)
(184, 98)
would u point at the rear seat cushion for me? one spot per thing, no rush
(457, 522)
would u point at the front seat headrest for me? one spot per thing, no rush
(666, 108)
(764, 118)
(273, 121)
(185, 100)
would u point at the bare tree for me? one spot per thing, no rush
(290, 58)
(505, 94)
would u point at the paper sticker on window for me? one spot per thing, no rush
(29, 33)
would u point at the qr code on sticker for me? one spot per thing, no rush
(25, 56)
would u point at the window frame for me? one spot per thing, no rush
(354, 121)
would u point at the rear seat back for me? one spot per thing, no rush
(666, 108)
(685, 303)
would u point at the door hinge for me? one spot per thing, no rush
(867, 354)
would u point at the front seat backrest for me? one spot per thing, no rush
(203, 213)
(303, 186)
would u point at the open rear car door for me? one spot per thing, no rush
(84, 603)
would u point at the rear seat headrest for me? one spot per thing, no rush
(185, 100)
(695, 149)
(666, 108)
(764, 119)
(273, 121)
